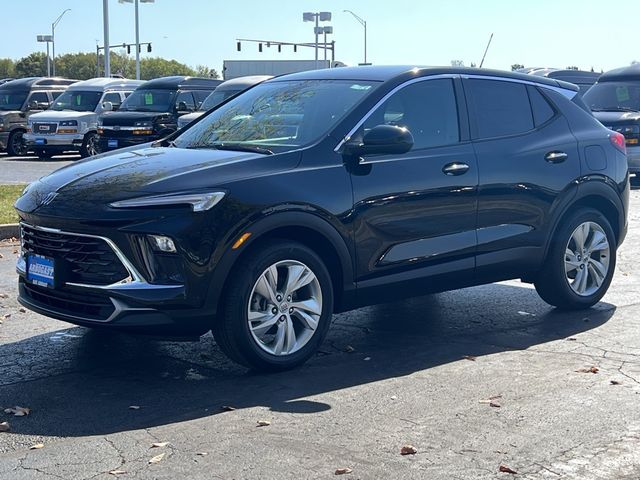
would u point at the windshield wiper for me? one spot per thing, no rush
(614, 109)
(238, 147)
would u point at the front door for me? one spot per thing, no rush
(415, 213)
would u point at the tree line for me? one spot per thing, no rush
(82, 66)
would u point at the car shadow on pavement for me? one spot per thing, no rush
(80, 382)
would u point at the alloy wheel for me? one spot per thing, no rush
(17, 144)
(586, 260)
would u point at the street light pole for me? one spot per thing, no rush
(364, 24)
(107, 54)
(317, 17)
(53, 40)
(137, 44)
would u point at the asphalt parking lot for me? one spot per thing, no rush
(27, 169)
(475, 380)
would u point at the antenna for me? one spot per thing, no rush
(486, 50)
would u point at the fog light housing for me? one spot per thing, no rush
(160, 243)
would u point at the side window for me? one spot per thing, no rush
(500, 107)
(200, 95)
(542, 111)
(114, 98)
(187, 98)
(427, 109)
(55, 94)
(41, 98)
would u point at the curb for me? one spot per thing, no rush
(9, 230)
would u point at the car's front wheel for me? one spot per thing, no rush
(90, 145)
(581, 261)
(277, 308)
(16, 146)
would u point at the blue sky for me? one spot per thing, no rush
(542, 33)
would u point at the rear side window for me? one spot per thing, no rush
(114, 98)
(187, 98)
(200, 95)
(542, 111)
(500, 108)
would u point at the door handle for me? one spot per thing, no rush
(556, 157)
(455, 168)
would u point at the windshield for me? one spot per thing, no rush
(613, 96)
(77, 100)
(216, 98)
(12, 100)
(149, 101)
(277, 116)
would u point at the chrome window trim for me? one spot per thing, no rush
(570, 94)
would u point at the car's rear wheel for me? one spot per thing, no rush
(277, 308)
(16, 147)
(580, 264)
(90, 145)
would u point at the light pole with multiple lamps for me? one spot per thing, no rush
(47, 39)
(53, 40)
(316, 17)
(362, 22)
(137, 32)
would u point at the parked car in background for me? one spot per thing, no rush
(323, 191)
(222, 92)
(5, 80)
(584, 79)
(151, 112)
(615, 101)
(71, 123)
(19, 99)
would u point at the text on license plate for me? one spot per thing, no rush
(40, 270)
(112, 143)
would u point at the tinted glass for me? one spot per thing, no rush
(12, 100)
(428, 109)
(148, 100)
(542, 111)
(613, 96)
(112, 97)
(187, 99)
(216, 98)
(200, 95)
(39, 97)
(278, 116)
(501, 108)
(77, 100)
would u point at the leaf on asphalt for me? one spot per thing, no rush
(157, 458)
(408, 450)
(159, 444)
(4, 295)
(571, 339)
(343, 471)
(18, 411)
(134, 407)
(349, 349)
(588, 370)
(505, 469)
(264, 423)
(4, 427)
(202, 454)
(615, 382)
(37, 446)
(494, 405)
(22, 310)
(469, 357)
(490, 399)
(228, 408)
(6, 316)
(117, 472)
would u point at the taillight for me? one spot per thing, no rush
(618, 141)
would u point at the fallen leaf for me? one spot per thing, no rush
(263, 423)
(571, 339)
(22, 310)
(490, 399)
(4, 295)
(202, 454)
(228, 408)
(157, 458)
(18, 411)
(37, 446)
(615, 382)
(117, 472)
(494, 405)
(349, 349)
(1, 256)
(4, 427)
(6, 316)
(588, 370)
(159, 444)
(134, 407)
(505, 469)
(408, 450)
(469, 357)
(343, 471)
(393, 397)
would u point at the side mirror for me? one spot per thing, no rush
(382, 139)
(33, 105)
(107, 106)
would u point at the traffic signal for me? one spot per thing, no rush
(279, 48)
(295, 48)
(238, 46)
(259, 47)
(128, 49)
(149, 48)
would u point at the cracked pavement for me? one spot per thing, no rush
(407, 381)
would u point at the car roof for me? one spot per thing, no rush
(104, 83)
(38, 82)
(574, 75)
(180, 81)
(242, 82)
(384, 73)
(631, 72)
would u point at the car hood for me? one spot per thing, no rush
(77, 190)
(58, 116)
(617, 118)
(127, 119)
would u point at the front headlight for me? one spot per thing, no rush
(200, 202)
(69, 123)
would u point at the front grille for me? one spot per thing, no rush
(88, 306)
(44, 128)
(79, 259)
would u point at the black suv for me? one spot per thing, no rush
(615, 101)
(18, 100)
(151, 112)
(322, 191)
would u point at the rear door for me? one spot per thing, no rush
(527, 156)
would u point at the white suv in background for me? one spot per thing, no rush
(70, 124)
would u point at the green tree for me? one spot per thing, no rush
(159, 67)
(7, 68)
(33, 65)
(516, 66)
(204, 71)
(80, 66)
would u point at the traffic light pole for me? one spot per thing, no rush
(325, 46)
(128, 46)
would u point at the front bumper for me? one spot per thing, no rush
(58, 141)
(123, 141)
(4, 140)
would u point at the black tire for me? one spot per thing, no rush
(16, 146)
(231, 328)
(90, 145)
(552, 283)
